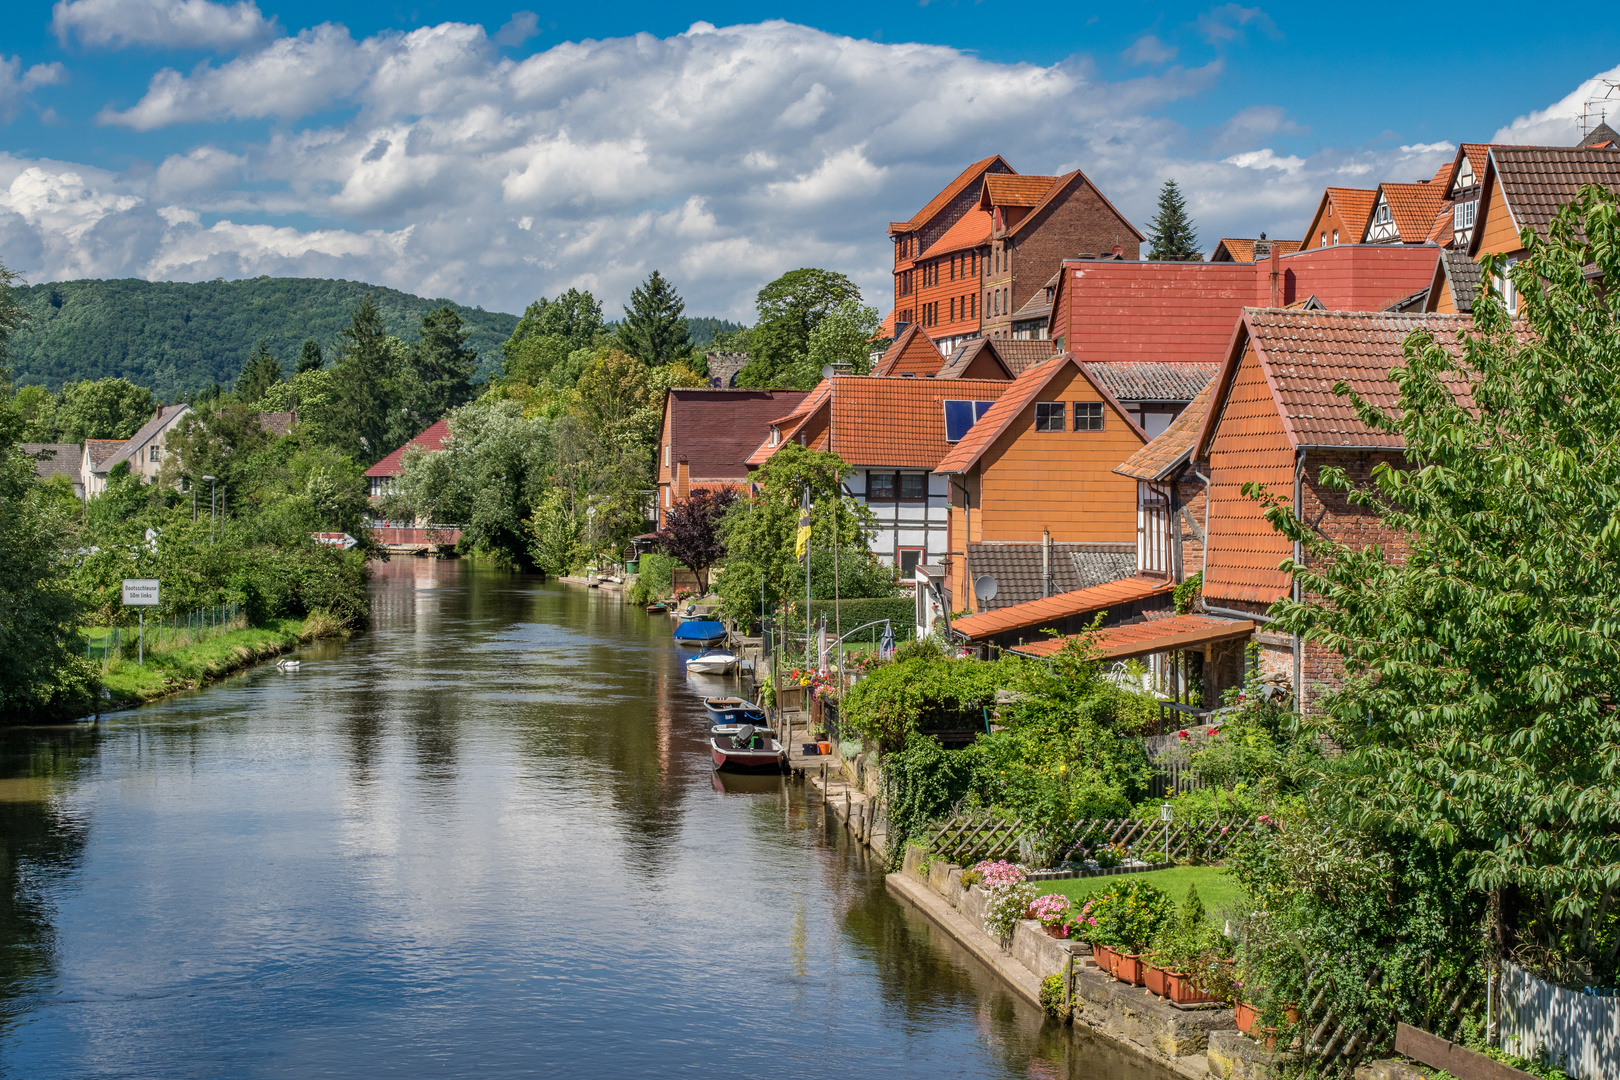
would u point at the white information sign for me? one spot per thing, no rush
(140, 592)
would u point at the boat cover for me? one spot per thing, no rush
(700, 630)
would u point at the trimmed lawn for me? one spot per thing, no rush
(1218, 891)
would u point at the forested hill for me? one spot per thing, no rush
(174, 337)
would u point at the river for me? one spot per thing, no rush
(481, 839)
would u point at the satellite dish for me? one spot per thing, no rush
(828, 372)
(984, 587)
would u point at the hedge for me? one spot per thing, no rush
(901, 611)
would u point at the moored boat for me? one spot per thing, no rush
(701, 632)
(747, 750)
(733, 710)
(712, 662)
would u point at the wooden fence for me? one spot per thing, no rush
(970, 836)
(1581, 1029)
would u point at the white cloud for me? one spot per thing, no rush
(16, 84)
(1559, 124)
(168, 24)
(428, 161)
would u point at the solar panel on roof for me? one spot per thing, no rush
(960, 416)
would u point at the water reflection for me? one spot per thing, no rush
(483, 838)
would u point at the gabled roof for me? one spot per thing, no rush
(913, 353)
(53, 459)
(1005, 190)
(896, 423)
(965, 179)
(1412, 208)
(1353, 205)
(1151, 380)
(972, 230)
(715, 431)
(101, 452)
(1018, 396)
(1304, 354)
(1241, 249)
(1459, 273)
(1537, 180)
(432, 439)
(964, 356)
(1051, 609)
(1155, 635)
(1161, 457)
(166, 415)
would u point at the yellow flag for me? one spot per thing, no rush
(802, 545)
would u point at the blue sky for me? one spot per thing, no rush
(492, 155)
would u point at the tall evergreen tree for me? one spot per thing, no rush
(442, 364)
(364, 378)
(310, 357)
(1171, 231)
(653, 327)
(259, 374)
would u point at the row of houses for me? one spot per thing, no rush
(1093, 464)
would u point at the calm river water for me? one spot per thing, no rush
(482, 839)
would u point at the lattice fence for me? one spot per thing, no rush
(974, 835)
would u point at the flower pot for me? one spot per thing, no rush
(1181, 990)
(1059, 931)
(1154, 977)
(1129, 969)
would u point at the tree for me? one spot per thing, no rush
(846, 336)
(1479, 714)
(653, 327)
(692, 532)
(310, 357)
(789, 309)
(104, 409)
(442, 364)
(364, 378)
(259, 374)
(1171, 234)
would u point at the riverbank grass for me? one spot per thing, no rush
(1217, 889)
(187, 667)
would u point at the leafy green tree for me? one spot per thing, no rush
(364, 384)
(442, 364)
(1483, 662)
(1170, 234)
(103, 409)
(259, 374)
(790, 308)
(846, 336)
(310, 357)
(654, 328)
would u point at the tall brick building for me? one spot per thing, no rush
(988, 243)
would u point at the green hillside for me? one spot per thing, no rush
(174, 337)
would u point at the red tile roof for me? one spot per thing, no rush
(898, 423)
(1018, 396)
(969, 232)
(1063, 606)
(1304, 354)
(431, 439)
(913, 353)
(715, 431)
(1155, 635)
(1159, 458)
(966, 178)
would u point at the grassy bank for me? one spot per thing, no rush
(187, 667)
(1216, 889)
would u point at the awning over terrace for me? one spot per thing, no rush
(1145, 638)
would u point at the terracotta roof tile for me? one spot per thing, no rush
(1047, 610)
(913, 353)
(972, 230)
(1151, 380)
(1017, 568)
(1159, 458)
(716, 431)
(431, 439)
(1155, 635)
(1538, 180)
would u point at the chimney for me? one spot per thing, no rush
(1276, 279)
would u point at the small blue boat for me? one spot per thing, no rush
(701, 632)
